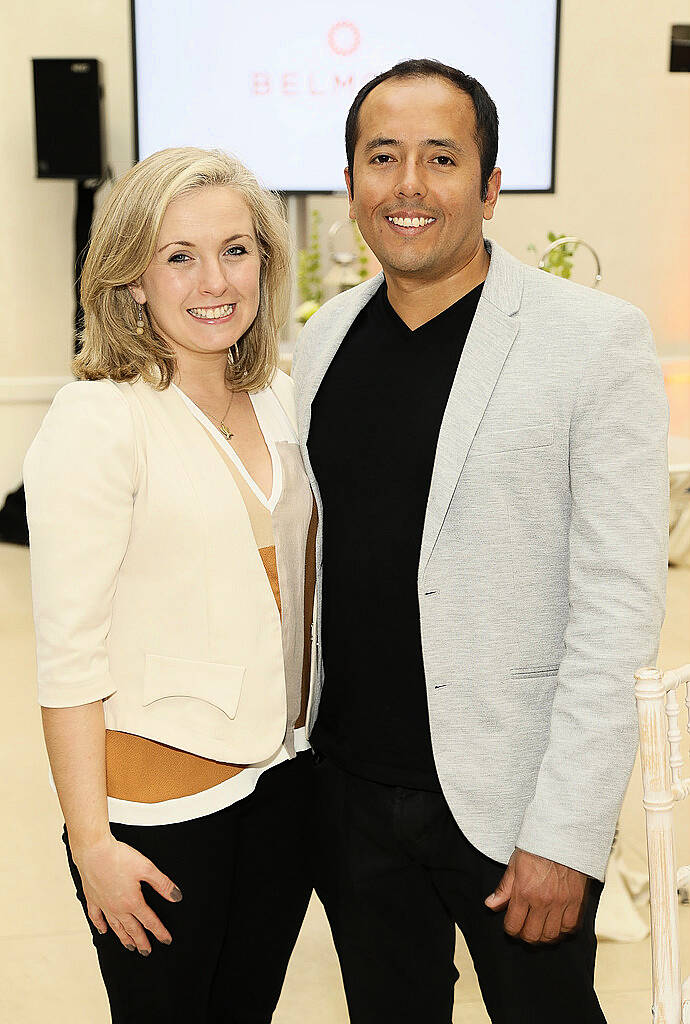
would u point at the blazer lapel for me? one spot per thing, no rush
(488, 343)
(213, 485)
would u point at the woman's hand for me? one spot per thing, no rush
(111, 873)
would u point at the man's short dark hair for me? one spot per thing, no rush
(486, 116)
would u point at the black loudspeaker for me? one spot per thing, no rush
(680, 48)
(69, 135)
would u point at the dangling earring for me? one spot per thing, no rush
(233, 357)
(140, 320)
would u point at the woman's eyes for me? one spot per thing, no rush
(232, 250)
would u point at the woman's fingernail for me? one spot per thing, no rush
(166, 942)
(175, 895)
(131, 948)
(145, 952)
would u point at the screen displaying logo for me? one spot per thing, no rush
(272, 82)
(344, 38)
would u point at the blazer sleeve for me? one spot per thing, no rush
(298, 354)
(79, 477)
(311, 331)
(617, 583)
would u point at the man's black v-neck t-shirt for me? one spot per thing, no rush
(372, 442)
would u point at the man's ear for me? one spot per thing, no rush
(493, 188)
(348, 184)
(137, 292)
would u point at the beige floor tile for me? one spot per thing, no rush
(627, 1007)
(313, 988)
(467, 986)
(51, 979)
(470, 1013)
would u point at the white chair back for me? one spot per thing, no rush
(663, 784)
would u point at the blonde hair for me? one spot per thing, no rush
(122, 245)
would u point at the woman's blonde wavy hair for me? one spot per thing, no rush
(122, 246)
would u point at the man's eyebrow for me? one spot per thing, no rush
(444, 144)
(190, 245)
(378, 141)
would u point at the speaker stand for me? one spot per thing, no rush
(83, 217)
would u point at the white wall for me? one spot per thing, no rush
(623, 156)
(37, 251)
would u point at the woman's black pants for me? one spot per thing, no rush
(245, 882)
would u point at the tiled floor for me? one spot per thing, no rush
(48, 971)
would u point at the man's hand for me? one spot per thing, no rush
(544, 898)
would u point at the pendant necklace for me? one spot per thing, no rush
(221, 423)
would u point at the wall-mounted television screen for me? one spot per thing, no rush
(272, 81)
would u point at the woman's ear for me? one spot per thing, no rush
(137, 292)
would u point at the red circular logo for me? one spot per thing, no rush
(344, 38)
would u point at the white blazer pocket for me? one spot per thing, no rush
(209, 682)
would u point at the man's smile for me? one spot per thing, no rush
(409, 223)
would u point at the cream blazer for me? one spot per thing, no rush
(149, 591)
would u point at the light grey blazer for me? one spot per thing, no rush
(543, 560)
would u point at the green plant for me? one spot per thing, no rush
(362, 254)
(309, 279)
(309, 283)
(560, 260)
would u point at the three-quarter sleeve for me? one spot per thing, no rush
(80, 481)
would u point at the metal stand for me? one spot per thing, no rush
(572, 240)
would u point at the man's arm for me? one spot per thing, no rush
(617, 577)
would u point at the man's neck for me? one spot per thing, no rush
(417, 299)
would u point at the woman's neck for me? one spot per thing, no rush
(202, 376)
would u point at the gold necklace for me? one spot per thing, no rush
(221, 423)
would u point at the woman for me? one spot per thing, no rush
(172, 550)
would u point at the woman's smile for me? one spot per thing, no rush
(212, 315)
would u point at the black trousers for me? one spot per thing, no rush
(396, 874)
(245, 883)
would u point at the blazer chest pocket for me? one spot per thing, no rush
(538, 435)
(534, 671)
(207, 688)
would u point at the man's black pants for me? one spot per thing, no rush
(396, 874)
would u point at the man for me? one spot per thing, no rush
(487, 445)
